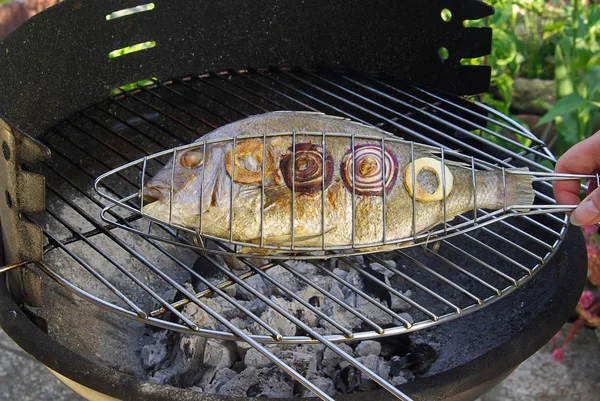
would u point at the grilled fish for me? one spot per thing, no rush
(350, 185)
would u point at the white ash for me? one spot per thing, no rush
(368, 348)
(253, 358)
(380, 268)
(255, 282)
(236, 369)
(241, 383)
(274, 384)
(218, 354)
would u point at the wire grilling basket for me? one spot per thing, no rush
(461, 266)
(134, 203)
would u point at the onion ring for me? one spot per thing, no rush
(369, 169)
(434, 166)
(252, 148)
(308, 168)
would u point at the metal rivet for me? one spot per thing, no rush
(6, 151)
(9, 201)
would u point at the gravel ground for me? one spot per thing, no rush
(19, 372)
(539, 378)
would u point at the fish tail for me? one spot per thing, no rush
(519, 187)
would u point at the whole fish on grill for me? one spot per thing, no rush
(210, 182)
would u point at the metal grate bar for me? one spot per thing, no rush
(411, 119)
(190, 101)
(124, 122)
(389, 288)
(497, 253)
(157, 110)
(185, 319)
(514, 128)
(253, 81)
(366, 297)
(415, 283)
(90, 269)
(140, 313)
(522, 232)
(440, 277)
(321, 102)
(481, 262)
(230, 93)
(506, 240)
(467, 273)
(422, 110)
(88, 234)
(142, 118)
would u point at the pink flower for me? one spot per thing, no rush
(589, 230)
(591, 250)
(586, 299)
(558, 354)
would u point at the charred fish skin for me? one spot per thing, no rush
(326, 181)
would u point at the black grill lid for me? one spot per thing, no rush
(57, 62)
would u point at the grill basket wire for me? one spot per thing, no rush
(456, 276)
(448, 230)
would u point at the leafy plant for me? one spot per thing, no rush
(518, 50)
(577, 75)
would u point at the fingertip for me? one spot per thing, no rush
(566, 198)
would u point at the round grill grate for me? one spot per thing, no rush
(347, 298)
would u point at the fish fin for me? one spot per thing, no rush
(523, 189)
(273, 194)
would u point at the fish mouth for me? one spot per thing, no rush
(153, 194)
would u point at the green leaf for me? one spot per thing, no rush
(594, 61)
(564, 85)
(563, 107)
(542, 103)
(553, 29)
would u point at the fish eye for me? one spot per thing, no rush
(366, 170)
(306, 174)
(192, 159)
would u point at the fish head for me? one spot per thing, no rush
(180, 172)
(180, 181)
(206, 178)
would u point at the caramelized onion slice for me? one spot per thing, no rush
(308, 168)
(248, 153)
(435, 166)
(368, 170)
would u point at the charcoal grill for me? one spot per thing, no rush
(60, 246)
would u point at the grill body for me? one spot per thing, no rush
(544, 304)
(66, 74)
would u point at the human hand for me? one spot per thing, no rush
(583, 158)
